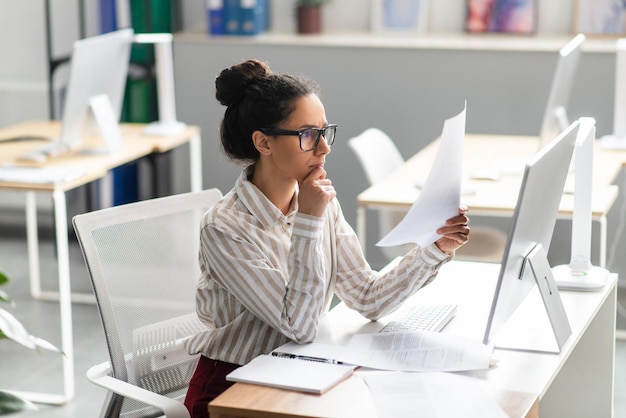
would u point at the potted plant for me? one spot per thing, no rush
(12, 329)
(309, 15)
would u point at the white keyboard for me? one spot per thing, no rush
(423, 318)
(42, 153)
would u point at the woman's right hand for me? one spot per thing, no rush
(315, 193)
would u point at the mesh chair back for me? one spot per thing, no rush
(142, 259)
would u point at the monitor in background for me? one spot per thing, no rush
(555, 118)
(524, 262)
(94, 95)
(617, 140)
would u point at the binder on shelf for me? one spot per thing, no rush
(108, 16)
(251, 17)
(215, 17)
(231, 17)
(237, 17)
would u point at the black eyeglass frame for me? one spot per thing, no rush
(321, 132)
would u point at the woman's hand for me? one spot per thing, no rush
(455, 233)
(315, 193)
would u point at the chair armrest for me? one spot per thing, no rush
(100, 375)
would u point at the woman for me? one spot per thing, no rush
(276, 248)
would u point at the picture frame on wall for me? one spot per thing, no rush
(399, 16)
(503, 16)
(600, 17)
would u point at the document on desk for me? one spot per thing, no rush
(440, 196)
(418, 351)
(38, 175)
(435, 394)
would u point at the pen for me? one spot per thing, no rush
(307, 358)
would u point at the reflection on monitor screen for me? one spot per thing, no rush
(94, 95)
(555, 118)
(531, 228)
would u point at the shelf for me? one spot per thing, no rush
(466, 42)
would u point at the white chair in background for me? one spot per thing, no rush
(379, 156)
(142, 260)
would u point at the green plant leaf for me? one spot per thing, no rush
(14, 330)
(10, 403)
(3, 279)
(4, 297)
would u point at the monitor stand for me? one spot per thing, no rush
(527, 330)
(108, 125)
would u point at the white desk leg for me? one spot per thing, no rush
(361, 227)
(65, 297)
(65, 302)
(195, 163)
(32, 242)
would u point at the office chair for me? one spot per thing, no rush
(142, 260)
(379, 156)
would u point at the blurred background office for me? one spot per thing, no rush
(405, 83)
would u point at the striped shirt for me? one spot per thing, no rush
(267, 278)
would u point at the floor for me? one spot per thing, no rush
(23, 369)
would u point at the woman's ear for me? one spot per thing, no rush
(261, 143)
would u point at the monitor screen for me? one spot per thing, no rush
(555, 118)
(98, 70)
(533, 223)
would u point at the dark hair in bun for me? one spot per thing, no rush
(255, 97)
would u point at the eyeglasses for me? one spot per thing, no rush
(309, 137)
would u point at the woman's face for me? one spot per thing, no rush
(289, 160)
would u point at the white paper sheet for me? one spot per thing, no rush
(440, 196)
(418, 351)
(442, 395)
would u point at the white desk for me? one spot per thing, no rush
(578, 382)
(491, 197)
(135, 145)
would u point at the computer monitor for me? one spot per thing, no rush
(95, 91)
(617, 139)
(524, 262)
(555, 118)
(94, 95)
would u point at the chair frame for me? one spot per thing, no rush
(108, 375)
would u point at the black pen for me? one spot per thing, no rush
(307, 358)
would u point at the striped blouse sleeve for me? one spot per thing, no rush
(371, 293)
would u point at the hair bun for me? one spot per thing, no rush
(231, 84)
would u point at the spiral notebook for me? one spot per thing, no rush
(291, 373)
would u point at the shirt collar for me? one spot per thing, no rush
(258, 204)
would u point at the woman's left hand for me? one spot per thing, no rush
(455, 233)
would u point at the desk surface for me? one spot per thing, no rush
(493, 154)
(518, 382)
(135, 144)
